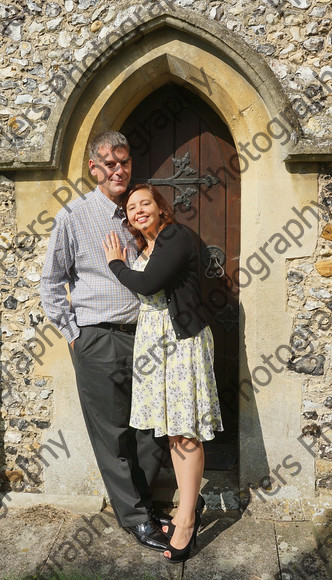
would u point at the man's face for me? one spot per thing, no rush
(112, 169)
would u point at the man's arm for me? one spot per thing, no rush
(56, 274)
(171, 252)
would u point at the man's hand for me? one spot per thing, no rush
(72, 344)
(112, 248)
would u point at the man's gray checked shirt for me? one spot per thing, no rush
(75, 256)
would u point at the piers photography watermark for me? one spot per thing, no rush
(255, 267)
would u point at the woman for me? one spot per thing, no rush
(174, 389)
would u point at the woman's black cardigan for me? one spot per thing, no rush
(173, 266)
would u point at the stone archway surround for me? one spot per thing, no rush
(235, 82)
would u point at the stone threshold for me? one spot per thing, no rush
(219, 488)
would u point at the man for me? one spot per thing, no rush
(99, 325)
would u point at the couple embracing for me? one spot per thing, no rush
(142, 353)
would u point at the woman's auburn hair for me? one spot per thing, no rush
(166, 217)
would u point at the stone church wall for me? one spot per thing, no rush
(43, 44)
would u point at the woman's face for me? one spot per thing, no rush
(143, 212)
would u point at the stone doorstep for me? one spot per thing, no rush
(78, 504)
(219, 489)
(221, 492)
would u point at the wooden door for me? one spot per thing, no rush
(181, 145)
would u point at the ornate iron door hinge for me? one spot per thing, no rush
(183, 166)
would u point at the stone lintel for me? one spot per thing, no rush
(310, 151)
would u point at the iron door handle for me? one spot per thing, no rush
(214, 257)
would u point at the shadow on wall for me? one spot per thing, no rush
(5, 389)
(256, 471)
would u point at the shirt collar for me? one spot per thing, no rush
(109, 205)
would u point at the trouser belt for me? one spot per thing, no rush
(129, 328)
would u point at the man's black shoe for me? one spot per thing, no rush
(159, 520)
(149, 535)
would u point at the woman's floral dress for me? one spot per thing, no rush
(174, 387)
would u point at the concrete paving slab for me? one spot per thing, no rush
(234, 549)
(26, 538)
(96, 547)
(44, 543)
(298, 554)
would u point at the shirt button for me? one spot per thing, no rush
(168, 300)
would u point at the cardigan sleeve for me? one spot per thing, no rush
(171, 252)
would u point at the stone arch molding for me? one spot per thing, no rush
(142, 54)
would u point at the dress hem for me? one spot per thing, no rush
(183, 434)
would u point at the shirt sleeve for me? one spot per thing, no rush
(170, 254)
(56, 274)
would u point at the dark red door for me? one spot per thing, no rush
(181, 145)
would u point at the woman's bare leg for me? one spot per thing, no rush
(188, 462)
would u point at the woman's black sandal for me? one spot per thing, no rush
(198, 511)
(183, 554)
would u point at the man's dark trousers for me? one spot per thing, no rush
(128, 459)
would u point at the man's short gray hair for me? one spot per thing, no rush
(111, 139)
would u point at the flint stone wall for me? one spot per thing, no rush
(26, 401)
(310, 302)
(43, 41)
(40, 41)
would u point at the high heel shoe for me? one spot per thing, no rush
(198, 512)
(200, 504)
(183, 554)
(170, 530)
